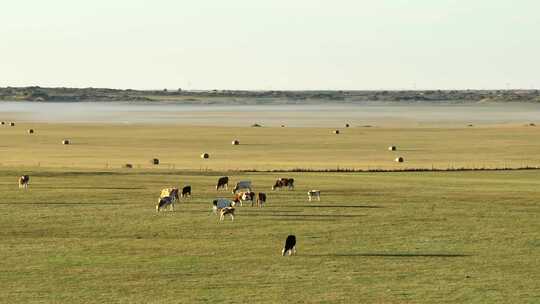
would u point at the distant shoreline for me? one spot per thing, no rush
(240, 97)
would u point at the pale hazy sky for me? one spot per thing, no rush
(278, 44)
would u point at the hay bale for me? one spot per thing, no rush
(235, 142)
(65, 142)
(470, 125)
(205, 155)
(347, 125)
(532, 125)
(3, 122)
(30, 131)
(154, 161)
(12, 124)
(392, 148)
(399, 159)
(128, 166)
(283, 126)
(256, 125)
(335, 131)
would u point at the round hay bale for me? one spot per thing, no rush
(235, 142)
(65, 142)
(128, 166)
(155, 161)
(256, 125)
(205, 155)
(399, 159)
(30, 131)
(335, 131)
(3, 122)
(283, 126)
(392, 148)
(12, 124)
(347, 125)
(532, 125)
(470, 125)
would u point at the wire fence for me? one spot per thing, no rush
(367, 168)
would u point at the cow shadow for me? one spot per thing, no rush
(268, 214)
(393, 255)
(89, 187)
(305, 217)
(64, 204)
(340, 206)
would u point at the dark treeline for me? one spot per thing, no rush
(237, 96)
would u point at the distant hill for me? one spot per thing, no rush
(262, 97)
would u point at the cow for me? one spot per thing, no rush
(237, 199)
(186, 191)
(168, 197)
(314, 194)
(261, 199)
(242, 185)
(163, 202)
(224, 211)
(284, 182)
(220, 203)
(223, 182)
(290, 246)
(23, 181)
(243, 196)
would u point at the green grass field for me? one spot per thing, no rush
(85, 234)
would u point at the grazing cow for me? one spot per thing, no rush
(223, 182)
(242, 197)
(237, 199)
(168, 197)
(163, 202)
(314, 194)
(173, 192)
(290, 246)
(23, 181)
(186, 191)
(242, 185)
(220, 203)
(284, 182)
(261, 199)
(224, 211)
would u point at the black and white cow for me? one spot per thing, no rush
(225, 211)
(24, 181)
(290, 246)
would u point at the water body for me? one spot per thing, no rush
(374, 114)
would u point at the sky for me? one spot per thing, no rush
(271, 45)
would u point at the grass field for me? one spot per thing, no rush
(101, 146)
(94, 237)
(87, 232)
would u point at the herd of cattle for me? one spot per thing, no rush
(241, 193)
(222, 206)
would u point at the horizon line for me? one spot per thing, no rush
(268, 90)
